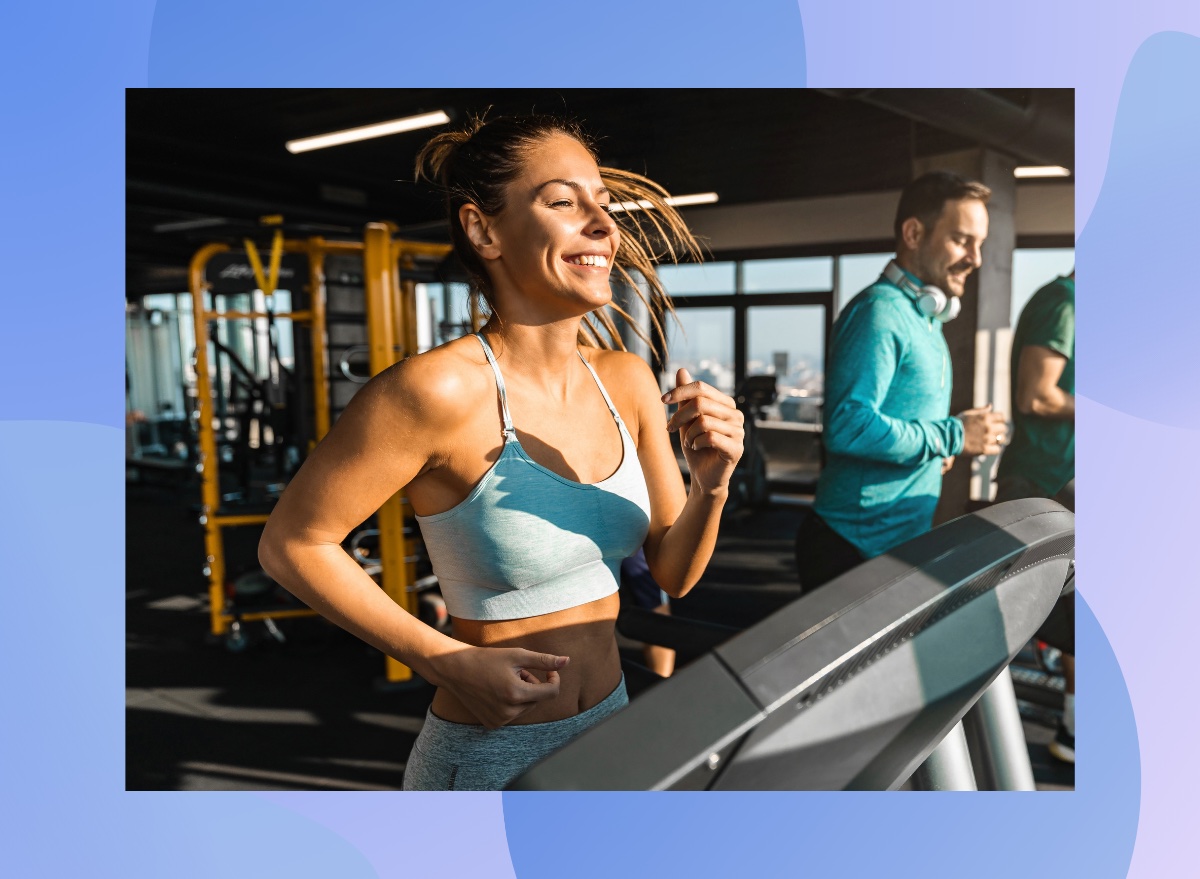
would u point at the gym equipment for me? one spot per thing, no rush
(347, 369)
(852, 686)
(748, 485)
(431, 607)
(392, 332)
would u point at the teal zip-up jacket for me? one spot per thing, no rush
(887, 423)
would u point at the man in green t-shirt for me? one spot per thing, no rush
(1040, 459)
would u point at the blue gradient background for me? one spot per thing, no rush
(65, 66)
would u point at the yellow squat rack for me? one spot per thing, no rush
(391, 321)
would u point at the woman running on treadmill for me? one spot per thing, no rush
(534, 456)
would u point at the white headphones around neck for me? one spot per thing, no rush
(931, 301)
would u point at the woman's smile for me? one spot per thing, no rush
(592, 261)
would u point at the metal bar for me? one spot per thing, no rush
(949, 766)
(399, 311)
(251, 616)
(402, 249)
(380, 305)
(407, 312)
(255, 343)
(739, 327)
(812, 297)
(833, 296)
(210, 490)
(379, 269)
(793, 251)
(297, 316)
(997, 738)
(233, 521)
(320, 346)
(323, 245)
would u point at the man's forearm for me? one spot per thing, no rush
(1054, 403)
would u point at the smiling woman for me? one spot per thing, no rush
(534, 455)
(476, 166)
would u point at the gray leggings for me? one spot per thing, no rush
(460, 756)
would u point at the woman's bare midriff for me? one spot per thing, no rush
(585, 633)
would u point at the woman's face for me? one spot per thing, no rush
(555, 239)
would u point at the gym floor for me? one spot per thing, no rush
(310, 713)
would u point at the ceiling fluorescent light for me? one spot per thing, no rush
(366, 132)
(1041, 171)
(189, 225)
(678, 201)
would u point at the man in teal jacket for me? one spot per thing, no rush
(888, 432)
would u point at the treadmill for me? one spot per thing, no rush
(851, 687)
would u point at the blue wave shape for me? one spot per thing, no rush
(1138, 313)
(622, 43)
(65, 807)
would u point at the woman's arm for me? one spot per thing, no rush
(388, 436)
(683, 526)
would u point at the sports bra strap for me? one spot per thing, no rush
(604, 393)
(509, 432)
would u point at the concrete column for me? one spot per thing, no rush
(980, 339)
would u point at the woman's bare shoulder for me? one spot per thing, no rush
(630, 383)
(623, 368)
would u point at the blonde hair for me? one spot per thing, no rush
(475, 165)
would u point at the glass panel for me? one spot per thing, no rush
(709, 279)
(187, 344)
(454, 312)
(856, 272)
(283, 300)
(704, 348)
(628, 299)
(430, 314)
(159, 301)
(233, 302)
(787, 275)
(788, 342)
(154, 396)
(1033, 269)
(443, 309)
(282, 336)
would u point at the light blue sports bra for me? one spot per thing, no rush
(527, 541)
